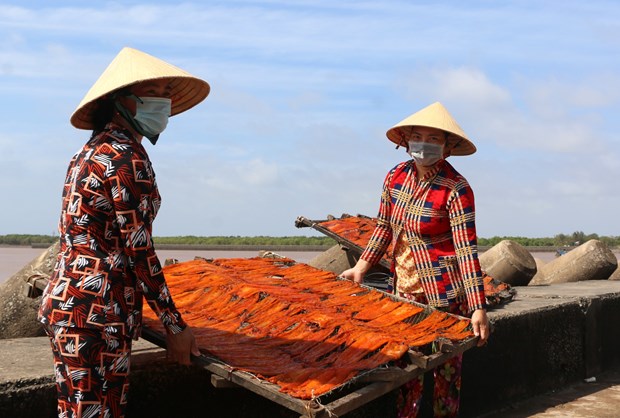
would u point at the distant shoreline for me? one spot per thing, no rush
(278, 247)
(219, 247)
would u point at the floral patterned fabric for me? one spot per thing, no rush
(447, 379)
(406, 276)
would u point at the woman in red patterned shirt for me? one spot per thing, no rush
(92, 306)
(427, 213)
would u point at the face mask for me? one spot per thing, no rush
(152, 115)
(425, 153)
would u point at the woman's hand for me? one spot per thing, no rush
(179, 346)
(353, 274)
(480, 324)
(357, 272)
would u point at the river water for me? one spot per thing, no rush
(12, 259)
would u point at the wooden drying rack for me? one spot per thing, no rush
(302, 222)
(343, 399)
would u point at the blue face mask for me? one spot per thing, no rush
(152, 115)
(425, 153)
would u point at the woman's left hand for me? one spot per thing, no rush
(480, 324)
(180, 346)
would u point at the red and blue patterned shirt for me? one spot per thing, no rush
(437, 216)
(107, 263)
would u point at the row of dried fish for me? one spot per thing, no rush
(296, 326)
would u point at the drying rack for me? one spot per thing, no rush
(345, 398)
(302, 222)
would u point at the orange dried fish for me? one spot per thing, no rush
(295, 325)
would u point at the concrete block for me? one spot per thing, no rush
(609, 330)
(548, 337)
(539, 265)
(336, 259)
(593, 349)
(18, 312)
(509, 262)
(536, 346)
(592, 260)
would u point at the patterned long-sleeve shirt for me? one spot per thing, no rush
(437, 215)
(106, 262)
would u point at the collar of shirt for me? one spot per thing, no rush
(119, 130)
(432, 172)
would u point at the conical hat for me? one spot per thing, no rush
(433, 116)
(132, 66)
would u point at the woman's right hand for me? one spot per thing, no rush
(353, 274)
(357, 272)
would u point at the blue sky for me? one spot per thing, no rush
(302, 93)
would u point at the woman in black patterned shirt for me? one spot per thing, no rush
(92, 306)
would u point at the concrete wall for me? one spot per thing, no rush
(550, 336)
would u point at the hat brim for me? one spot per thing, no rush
(433, 116)
(463, 146)
(131, 67)
(185, 93)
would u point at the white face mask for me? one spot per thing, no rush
(425, 153)
(152, 115)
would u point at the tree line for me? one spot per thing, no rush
(26, 239)
(239, 240)
(560, 240)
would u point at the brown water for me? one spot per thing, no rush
(13, 259)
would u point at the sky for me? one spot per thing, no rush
(302, 94)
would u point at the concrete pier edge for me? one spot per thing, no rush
(547, 338)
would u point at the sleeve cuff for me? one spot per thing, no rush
(173, 322)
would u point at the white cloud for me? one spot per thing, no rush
(257, 173)
(303, 92)
(537, 115)
(467, 85)
(8, 147)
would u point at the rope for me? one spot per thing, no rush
(315, 404)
